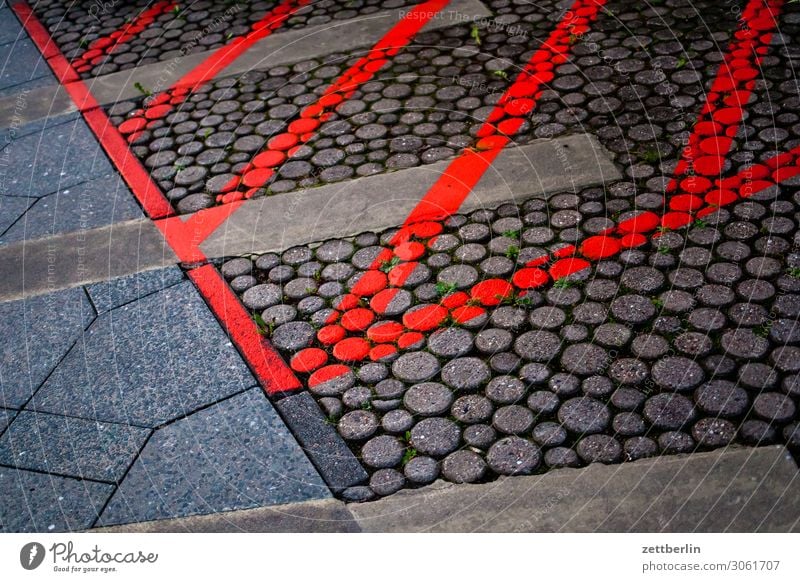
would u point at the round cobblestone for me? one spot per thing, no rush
(435, 436)
(599, 448)
(358, 425)
(382, 452)
(514, 456)
(669, 411)
(428, 399)
(584, 415)
(415, 367)
(465, 373)
(386, 481)
(463, 467)
(421, 470)
(513, 419)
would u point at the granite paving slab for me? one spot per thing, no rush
(36, 502)
(11, 208)
(56, 157)
(95, 203)
(111, 294)
(21, 66)
(235, 454)
(10, 29)
(6, 416)
(147, 362)
(69, 446)
(34, 335)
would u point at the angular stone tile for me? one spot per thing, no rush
(236, 454)
(147, 362)
(27, 64)
(92, 204)
(34, 335)
(6, 416)
(11, 208)
(12, 133)
(71, 446)
(35, 502)
(54, 158)
(110, 294)
(10, 28)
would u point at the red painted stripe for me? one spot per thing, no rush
(138, 179)
(267, 366)
(160, 105)
(442, 200)
(697, 187)
(105, 45)
(280, 147)
(185, 236)
(448, 193)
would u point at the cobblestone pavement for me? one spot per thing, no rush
(101, 38)
(649, 315)
(686, 342)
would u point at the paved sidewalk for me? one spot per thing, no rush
(323, 255)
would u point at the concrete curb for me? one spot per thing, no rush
(729, 490)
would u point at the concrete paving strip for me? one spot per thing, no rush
(44, 265)
(285, 48)
(730, 490)
(541, 168)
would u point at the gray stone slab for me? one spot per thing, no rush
(543, 167)
(36, 105)
(36, 502)
(286, 48)
(34, 335)
(52, 159)
(19, 127)
(335, 461)
(146, 363)
(10, 28)
(11, 208)
(78, 258)
(73, 447)
(6, 416)
(731, 490)
(21, 62)
(110, 294)
(236, 454)
(318, 516)
(92, 204)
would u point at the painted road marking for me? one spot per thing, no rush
(102, 47)
(185, 236)
(160, 105)
(270, 370)
(281, 147)
(702, 160)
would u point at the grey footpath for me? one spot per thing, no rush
(125, 401)
(730, 490)
(283, 48)
(279, 222)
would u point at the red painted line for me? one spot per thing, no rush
(443, 199)
(697, 187)
(185, 236)
(101, 47)
(270, 370)
(138, 179)
(448, 193)
(160, 105)
(280, 148)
